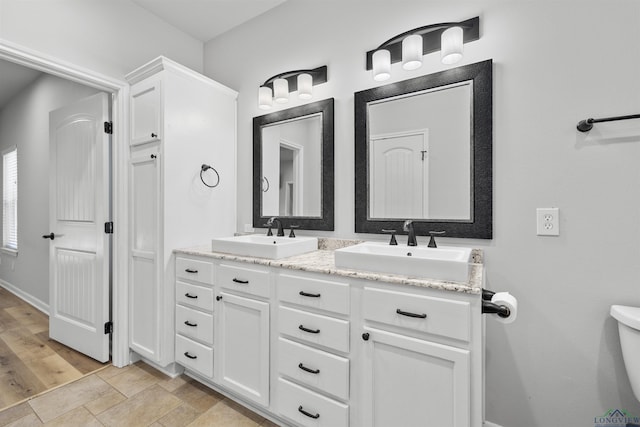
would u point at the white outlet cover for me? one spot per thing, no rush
(548, 221)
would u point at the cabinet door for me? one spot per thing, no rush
(243, 346)
(144, 290)
(411, 382)
(146, 113)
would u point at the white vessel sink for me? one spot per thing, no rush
(264, 246)
(442, 263)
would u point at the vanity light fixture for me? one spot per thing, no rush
(410, 46)
(279, 86)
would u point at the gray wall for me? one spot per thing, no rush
(555, 62)
(24, 123)
(107, 37)
(110, 37)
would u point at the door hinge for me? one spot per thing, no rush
(108, 328)
(108, 227)
(108, 127)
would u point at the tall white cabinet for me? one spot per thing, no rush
(180, 120)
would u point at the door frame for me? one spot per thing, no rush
(119, 90)
(298, 176)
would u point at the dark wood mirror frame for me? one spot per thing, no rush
(326, 220)
(480, 226)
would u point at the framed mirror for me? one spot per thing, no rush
(293, 167)
(423, 152)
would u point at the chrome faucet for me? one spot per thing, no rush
(408, 226)
(278, 223)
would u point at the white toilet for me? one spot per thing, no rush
(629, 328)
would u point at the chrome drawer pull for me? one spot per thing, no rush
(243, 282)
(190, 270)
(406, 313)
(315, 417)
(186, 322)
(186, 353)
(188, 295)
(311, 331)
(305, 294)
(311, 371)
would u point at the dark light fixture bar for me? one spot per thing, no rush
(587, 124)
(319, 75)
(278, 87)
(431, 35)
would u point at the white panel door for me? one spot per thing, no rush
(144, 294)
(399, 176)
(78, 208)
(414, 383)
(243, 347)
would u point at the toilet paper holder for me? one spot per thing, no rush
(493, 308)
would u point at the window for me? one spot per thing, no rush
(10, 200)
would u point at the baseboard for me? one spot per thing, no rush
(490, 424)
(40, 305)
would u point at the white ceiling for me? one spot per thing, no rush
(14, 78)
(207, 19)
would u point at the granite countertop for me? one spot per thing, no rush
(323, 261)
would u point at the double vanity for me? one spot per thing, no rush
(315, 338)
(306, 331)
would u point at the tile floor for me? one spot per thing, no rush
(137, 395)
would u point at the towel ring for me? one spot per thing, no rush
(203, 169)
(264, 178)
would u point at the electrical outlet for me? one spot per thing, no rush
(548, 221)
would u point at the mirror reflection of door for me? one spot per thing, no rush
(291, 179)
(439, 187)
(292, 165)
(400, 175)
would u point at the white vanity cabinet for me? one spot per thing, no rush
(179, 120)
(194, 315)
(314, 330)
(417, 360)
(312, 349)
(243, 331)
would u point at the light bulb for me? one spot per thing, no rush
(305, 86)
(451, 45)
(381, 60)
(281, 90)
(412, 52)
(265, 99)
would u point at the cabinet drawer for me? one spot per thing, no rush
(248, 280)
(320, 410)
(194, 356)
(322, 370)
(437, 316)
(314, 328)
(194, 295)
(192, 269)
(194, 324)
(321, 294)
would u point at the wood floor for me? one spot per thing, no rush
(31, 363)
(43, 382)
